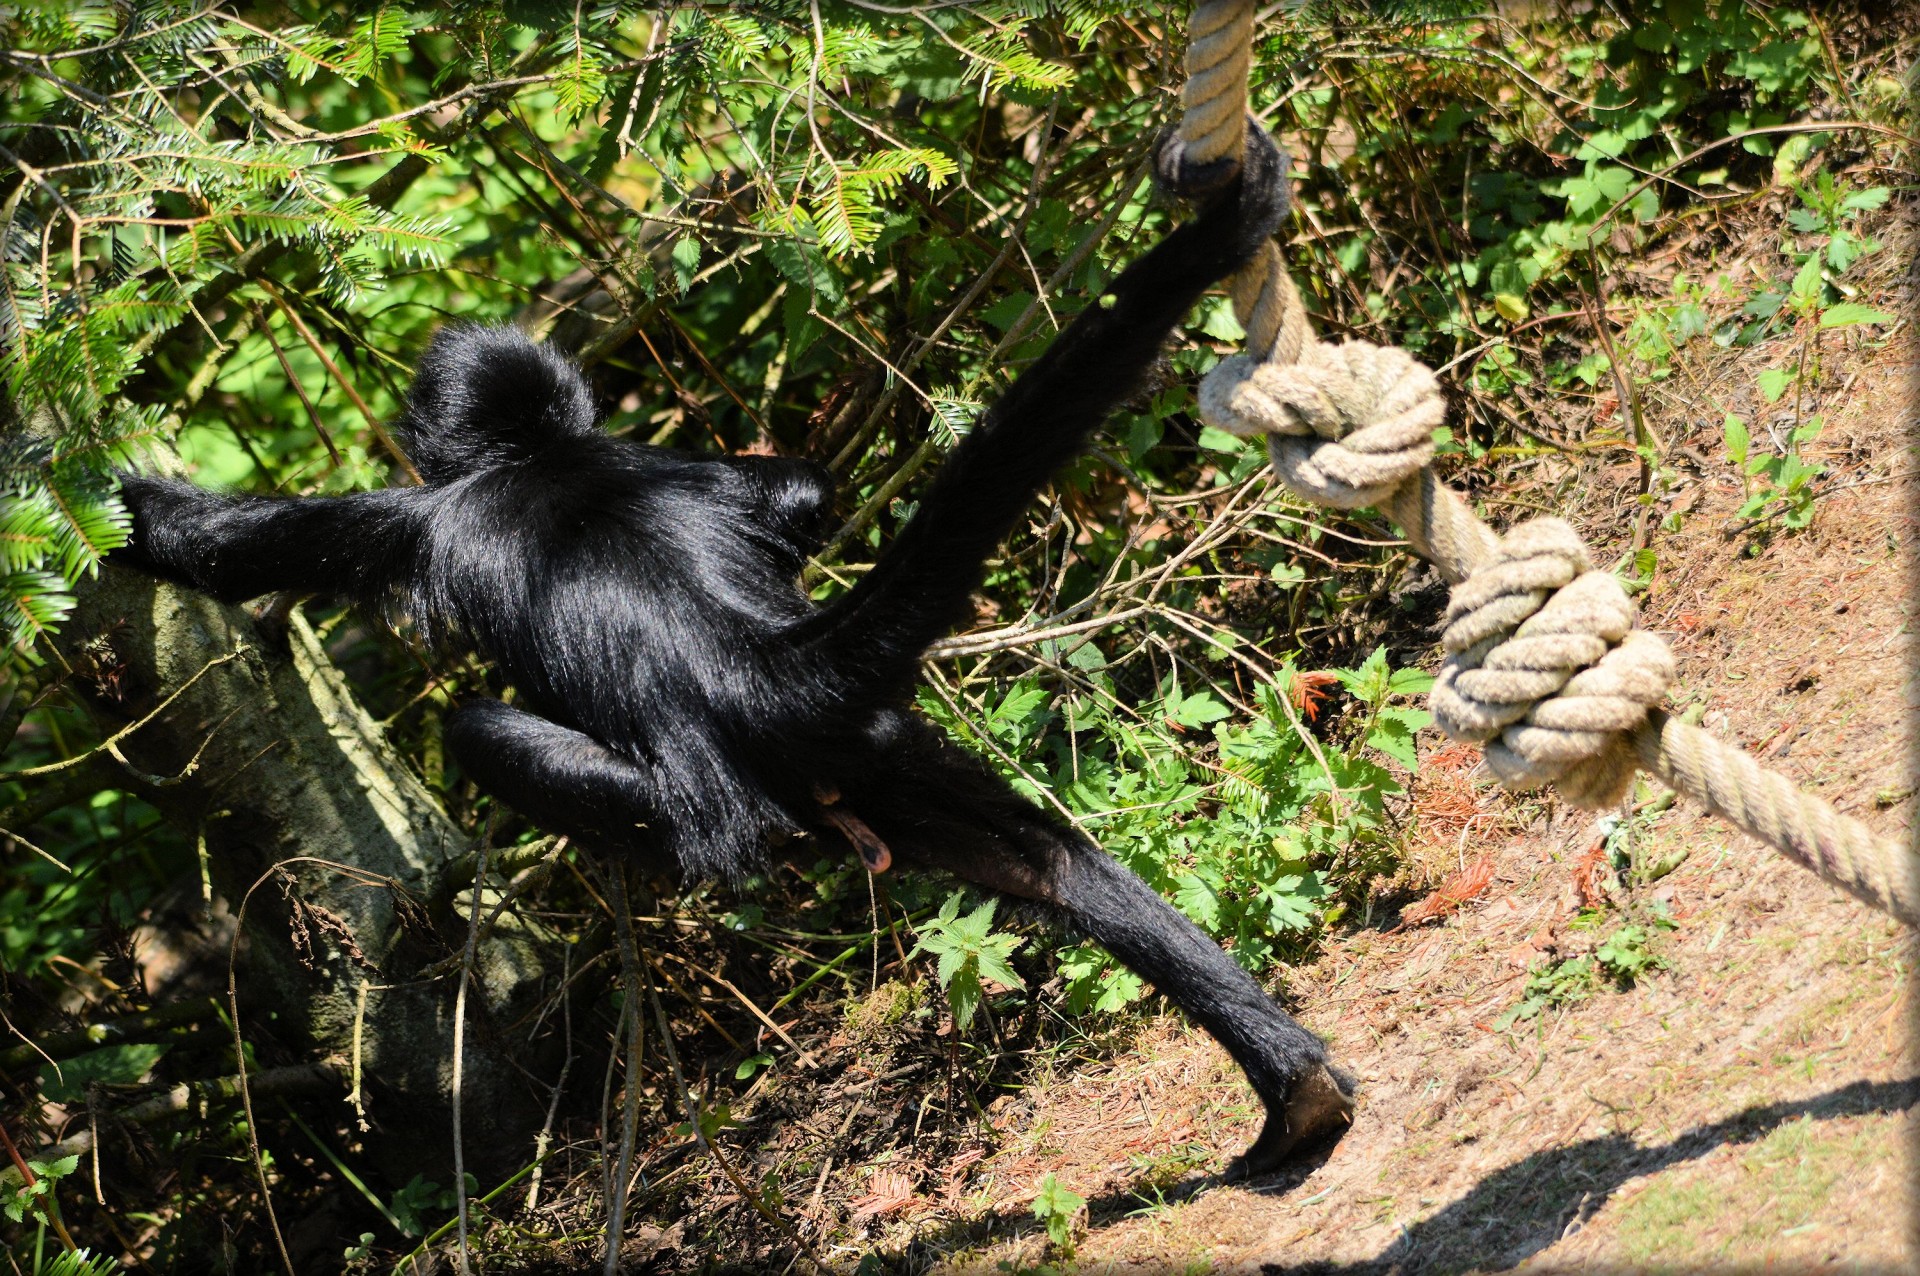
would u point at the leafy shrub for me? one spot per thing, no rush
(1254, 843)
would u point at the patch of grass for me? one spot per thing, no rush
(1778, 1187)
(1159, 1171)
(873, 1018)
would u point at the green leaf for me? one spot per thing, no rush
(1392, 734)
(110, 1065)
(806, 268)
(980, 920)
(994, 964)
(1394, 739)
(1871, 198)
(801, 329)
(1792, 154)
(1198, 900)
(1214, 440)
(1410, 682)
(1738, 440)
(1143, 435)
(1774, 383)
(1290, 906)
(1848, 313)
(963, 996)
(1088, 657)
(1218, 320)
(1005, 312)
(1200, 709)
(1056, 1206)
(686, 260)
(1808, 281)
(1370, 681)
(1021, 699)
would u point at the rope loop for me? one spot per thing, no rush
(1544, 666)
(1347, 424)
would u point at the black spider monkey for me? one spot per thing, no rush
(680, 700)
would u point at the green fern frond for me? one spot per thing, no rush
(80, 1262)
(32, 603)
(956, 412)
(24, 540)
(735, 41)
(89, 519)
(307, 51)
(883, 170)
(845, 218)
(845, 212)
(581, 86)
(381, 35)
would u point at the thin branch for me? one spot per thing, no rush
(108, 744)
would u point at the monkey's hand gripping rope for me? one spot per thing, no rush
(1544, 665)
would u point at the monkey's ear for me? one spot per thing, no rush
(486, 396)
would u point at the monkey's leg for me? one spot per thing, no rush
(240, 547)
(557, 777)
(937, 807)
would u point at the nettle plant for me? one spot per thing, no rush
(1258, 829)
(1822, 243)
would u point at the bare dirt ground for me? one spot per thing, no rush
(1752, 1106)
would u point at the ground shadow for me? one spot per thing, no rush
(935, 1243)
(1521, 1209)
(1509, 1216)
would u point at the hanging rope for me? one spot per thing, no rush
(1545, 665)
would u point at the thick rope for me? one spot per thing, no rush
(1545, 663)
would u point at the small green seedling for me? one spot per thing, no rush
(1057, 1207)
(968, 950)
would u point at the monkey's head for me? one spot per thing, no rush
(486, 396)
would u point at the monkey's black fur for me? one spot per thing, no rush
(680, 698)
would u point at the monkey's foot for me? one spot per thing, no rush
(1179, 174)
(1319, 1110)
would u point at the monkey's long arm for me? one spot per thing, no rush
(920, 586)
(239, 547)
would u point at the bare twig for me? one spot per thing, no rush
(467, 957)
(631, 975)
(113, 740)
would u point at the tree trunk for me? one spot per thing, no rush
(291, 768)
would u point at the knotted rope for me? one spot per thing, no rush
(1545, 665)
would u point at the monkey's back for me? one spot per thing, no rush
(640, 596)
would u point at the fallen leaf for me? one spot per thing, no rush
(888, 1192)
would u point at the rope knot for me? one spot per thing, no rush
(1545, 667)
(1347, 424)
